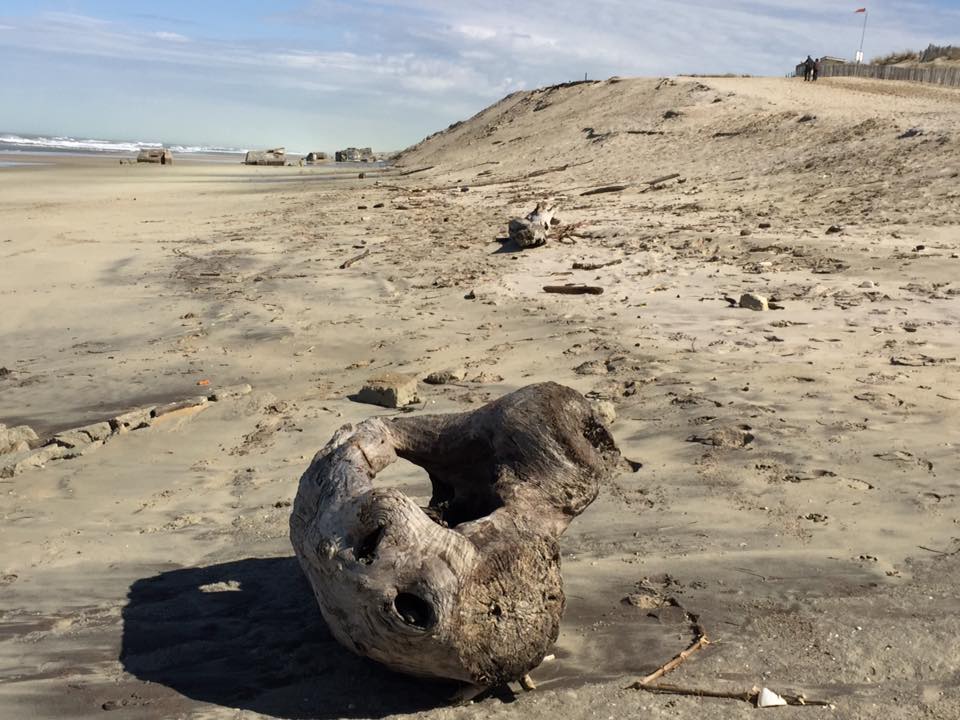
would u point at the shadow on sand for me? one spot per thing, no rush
(507, 246)
(249, 635)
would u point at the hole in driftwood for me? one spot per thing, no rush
(407, 477)
(366, 550)
(455, 501)
(414, 610)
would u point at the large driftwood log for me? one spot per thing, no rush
(531, 231)
(470, 588)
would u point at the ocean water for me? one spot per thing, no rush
(17, 142)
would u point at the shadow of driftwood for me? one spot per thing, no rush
(249, 635)
(507, 246)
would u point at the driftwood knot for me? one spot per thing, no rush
(470, 587)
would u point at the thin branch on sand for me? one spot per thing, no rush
(700, 643)
(750, 696)
(347, 263)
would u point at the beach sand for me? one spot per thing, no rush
(799, 469)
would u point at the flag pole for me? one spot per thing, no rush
(866, 13)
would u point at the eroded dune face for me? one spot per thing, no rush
(784, 140)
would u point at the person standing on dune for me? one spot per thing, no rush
(807, 68)
(816, 69)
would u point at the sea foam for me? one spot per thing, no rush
(61, 143)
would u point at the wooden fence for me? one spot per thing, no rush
(949, 76)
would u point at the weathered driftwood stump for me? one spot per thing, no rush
(532, 230)
(469, 588)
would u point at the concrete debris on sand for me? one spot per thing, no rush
(98, 431)
(920, 360)
(728, 437)
(17, 439)
(22, 442)
(442, 377)
(160, 156)
(273, 156)
(752, 301)
(592, 367)
(193, 402)
(132, 420)
(389, 390)
(15, 463)
(72, 439)
(230, 392)
(605, 410)
(354, 154)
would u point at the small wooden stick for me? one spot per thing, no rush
(676, 662)
(417, 170)
(748, 696)
(563, 232)
(527, 683)
(745, 696)
(663, 179)
(573, 289)
(594, 266)
(606, 189)
(351, 261)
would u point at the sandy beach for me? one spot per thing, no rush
(797, 482)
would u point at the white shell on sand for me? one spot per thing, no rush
(768, 698)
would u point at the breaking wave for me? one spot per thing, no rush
(61, 143)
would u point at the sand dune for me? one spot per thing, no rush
(797, 486)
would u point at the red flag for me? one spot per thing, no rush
(860, 10)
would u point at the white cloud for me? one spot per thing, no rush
(438, 57)
(171, 36)
(467, 46)
(476, 32)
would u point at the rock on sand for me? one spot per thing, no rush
(752, 301)
(391, 390)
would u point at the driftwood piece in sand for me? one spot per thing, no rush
(606, 189)
(663, 179)
(532, 230)
(468, 588)
(530, 175)
(751, 696)
(356, 258)
(595, 265)
(573, 289)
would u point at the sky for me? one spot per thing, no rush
(327, 74)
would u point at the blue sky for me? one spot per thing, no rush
(323, 74)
